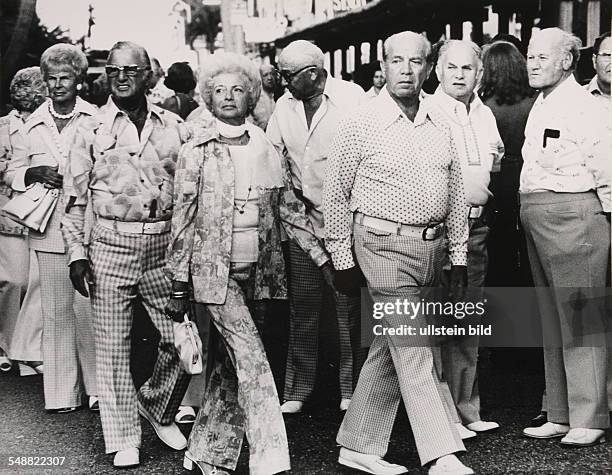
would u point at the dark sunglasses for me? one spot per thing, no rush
(129, 70)
(289, 76)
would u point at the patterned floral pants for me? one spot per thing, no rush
(241, 397)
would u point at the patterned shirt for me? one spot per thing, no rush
(478, 143)
(567, 144)
(307, 149)
(11, 134)
(386, 166)
(596, 92)
(130, 177)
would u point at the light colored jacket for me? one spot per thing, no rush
(202, 221)
(43, 145)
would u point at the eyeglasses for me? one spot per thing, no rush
(289, 76)
(113, 71)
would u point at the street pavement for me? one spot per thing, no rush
(511, 383)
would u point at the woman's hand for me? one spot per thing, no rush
(177, 308)
(43, 174)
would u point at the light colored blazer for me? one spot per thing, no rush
(43, 145)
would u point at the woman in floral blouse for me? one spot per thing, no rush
(231, 193)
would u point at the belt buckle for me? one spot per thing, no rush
(148, 228)
(430, 232)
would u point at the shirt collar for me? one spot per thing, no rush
(43, 115)
(560, 93)
(15, 121)
(593, 87)
(452, 106)
(110, 112)
(388, 111)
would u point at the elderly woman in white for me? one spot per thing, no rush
(68, 346)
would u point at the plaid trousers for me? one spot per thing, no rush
(306, 291)
(396, 369)
(241, 396)
(68, 348)
(124, 266)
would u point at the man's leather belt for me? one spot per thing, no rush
(475, 212)
(135, 227)
(427, 233)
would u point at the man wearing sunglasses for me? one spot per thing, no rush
(302, 126)
(124, 159)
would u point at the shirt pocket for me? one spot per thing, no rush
(562, 157)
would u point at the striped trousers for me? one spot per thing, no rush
(306, 296)
(68, 348)
(125, 266)
(397, 369)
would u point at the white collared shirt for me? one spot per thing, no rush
(597, 93)
(306, 148)
(478, 142)
(576, 155)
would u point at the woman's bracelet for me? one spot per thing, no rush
(179, 294)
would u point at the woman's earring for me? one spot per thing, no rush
(79, 87)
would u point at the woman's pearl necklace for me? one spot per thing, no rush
(57, 115)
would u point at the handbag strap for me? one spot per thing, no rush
(196, 353)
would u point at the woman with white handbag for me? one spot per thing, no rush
(68, 345)
(20, 316)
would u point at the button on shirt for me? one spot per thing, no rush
(386, 166)
(307, 149)
(130, 177)
(575, 155)
(477, 140)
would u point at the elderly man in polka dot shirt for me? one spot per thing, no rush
(393, 183)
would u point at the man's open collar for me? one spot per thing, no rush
(452, 106)
(559, 93)
(388, 111)
(42, 115)
(109, 112)
(594, 89)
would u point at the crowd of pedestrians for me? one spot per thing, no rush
(215, 195)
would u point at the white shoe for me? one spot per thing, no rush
(584, 437)
(30, 369)
(169, 435)
(292, 407)
(369, 463)
(203, 467)
(185, 415)
(464, 432)
(127, 458)
(547, 431)
(449, 465)
(482, 426)
(5, 364)
(94, 404)
(344, 404)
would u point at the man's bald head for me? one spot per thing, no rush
(299, 54)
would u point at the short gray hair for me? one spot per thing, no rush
(61, 55)
(567, 42)
(448, 44)
(407, 36)
(119, 45)
(28, 89)
(302, 52)
(221, 63)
